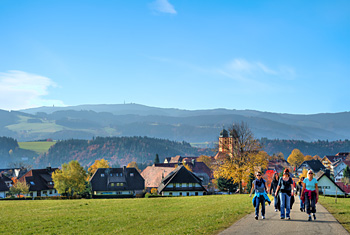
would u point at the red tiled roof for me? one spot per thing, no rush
(346, 188)
(153, 175)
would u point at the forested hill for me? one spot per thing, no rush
(10, 153)
(117, 150)
(320, 148)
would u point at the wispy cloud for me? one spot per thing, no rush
(241, 69)
(20, 90)
(163, 6)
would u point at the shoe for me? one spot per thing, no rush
(275, 210)
(309, 218)
(314, 216)
(282, 217)
(301, 209)
(269, 203)
(288, 218)
(263, 217)
(256, 217)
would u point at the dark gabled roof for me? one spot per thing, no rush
(180, 175)
(4, 177)
(38, 179)
(99, 183)
(196, 167)
(3, 186)
(315, 165)
(224, 133)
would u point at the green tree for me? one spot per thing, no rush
(19, 188)
(156, 159)
(250, 182)
(70, 180)
(227, 185)
(346, 176)
(296, 158)
(243, 156)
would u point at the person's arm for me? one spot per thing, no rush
(302, 191)
(251, 191)
(270, 191)
(278, 188)
(317, 192)
(292, 185)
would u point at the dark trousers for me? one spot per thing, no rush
(276, 202)
(310, 204)
(260, 200)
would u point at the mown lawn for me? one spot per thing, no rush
(39, 147)
(340, 210)
(177, 215)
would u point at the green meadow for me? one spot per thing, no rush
(340, 210)
(39, 147)
(174, 215)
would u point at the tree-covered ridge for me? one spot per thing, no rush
(320, 147)
(10, 153)
(117, 150)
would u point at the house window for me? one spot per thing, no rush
(32, 183)
(111, 174)
(171, 194)
(180, 193)
(102, 175)
(196, 193)
(121, 174)
(44, 192)
(31, 194)
(131, 174)
(112, 184)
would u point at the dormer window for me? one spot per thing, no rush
(131, 174)
(111, 174)
(32, 183)
(102, 175)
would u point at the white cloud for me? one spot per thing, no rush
(243, 70)
(20, 90)
(163, 6)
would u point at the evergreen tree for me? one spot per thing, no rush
(156, 159)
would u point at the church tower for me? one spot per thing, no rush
(225, 142)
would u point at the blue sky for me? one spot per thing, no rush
(276, 56)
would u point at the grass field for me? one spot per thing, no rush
(340, 210)
(39, 147)
(176, 215)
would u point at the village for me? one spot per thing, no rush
(177, 176)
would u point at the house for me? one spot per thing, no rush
(327, 161)
(6, 180)
(154, 174)
(181, 182)
(116, 183)
(314, 165)
(345, 188)
(4, 189)
(338, 170)
(40, 182)
(327, 186)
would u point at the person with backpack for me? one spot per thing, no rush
(285, 184)
(273, 189)
(259, 185)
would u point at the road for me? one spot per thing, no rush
(325, 223)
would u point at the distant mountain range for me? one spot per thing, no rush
(88, 121)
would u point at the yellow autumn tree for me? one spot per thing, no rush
(208, 161)
(102, 163)
(134, 165)
(308, 158)
(303, 174)
(296, 158)
(243, 156)
(70, 179)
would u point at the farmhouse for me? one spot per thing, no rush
(327, 186)
(4, 189)
(116, 183)
(40, 182)
(181, 182)
(314, 165)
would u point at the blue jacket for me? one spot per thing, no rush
(257, 195)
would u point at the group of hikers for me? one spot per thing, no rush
(282, 189)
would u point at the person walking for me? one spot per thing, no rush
(285, 184)
(259, 185)
(310, 194)
(299, 192)
(273, 189)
